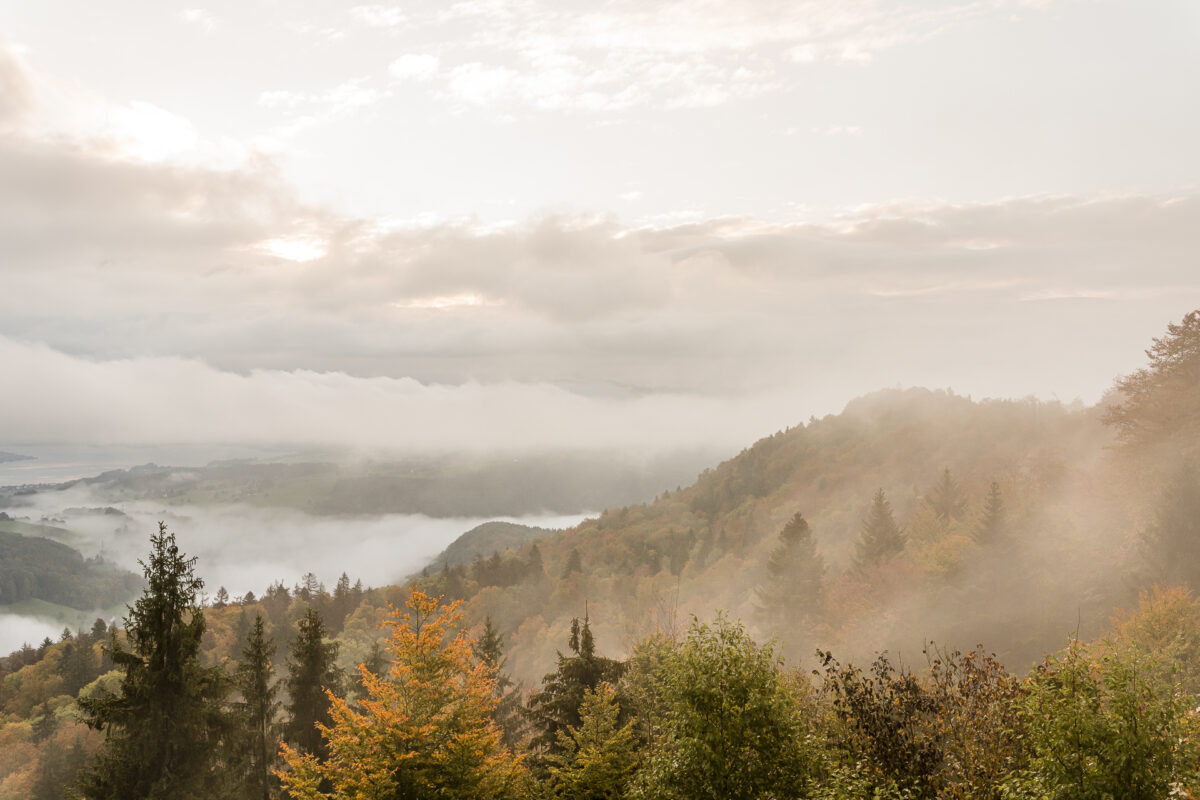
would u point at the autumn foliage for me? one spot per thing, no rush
(425, 727)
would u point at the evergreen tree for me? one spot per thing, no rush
(311, 670)
(533, 566)
(164, 728)
(489, 649)
(574, 563)
(795, 571)
(947, 498)
(343, 603)
(991, 527)
(881, 537)
(57, 769)
(78, 664)
(556, 706)
(257, 711)
(596, 760)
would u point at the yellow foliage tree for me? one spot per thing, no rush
(424, 729)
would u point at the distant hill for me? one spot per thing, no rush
(5, 457)
(562, 483)
(486, 539)
(35, 568)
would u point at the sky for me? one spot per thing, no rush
(521, 224)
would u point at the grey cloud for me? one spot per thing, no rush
(142, 303)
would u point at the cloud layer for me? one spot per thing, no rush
(147, 300)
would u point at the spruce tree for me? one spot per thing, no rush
(947, 498)
(795, 572)
(256, 712)
(881, 537)
(164, 728)
(596, 760)
(556, 707)
(311, 670)
(991, 526)
(574, 563)
(489, 648)
(533, 566)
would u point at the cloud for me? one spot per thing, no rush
(16, 90)
(683, 54)
(149, 300)
(199, 17)
(379, 16)
(414, 66)
(149, 400)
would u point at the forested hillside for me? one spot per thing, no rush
(705, 645)
(37, 568)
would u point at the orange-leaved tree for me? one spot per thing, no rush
(423, 730)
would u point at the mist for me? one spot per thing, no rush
(246, 548)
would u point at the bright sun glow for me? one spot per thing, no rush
(298, 249)
(442, 302)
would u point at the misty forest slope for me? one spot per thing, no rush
(36, 568)
(1021, 521)
(912, 515)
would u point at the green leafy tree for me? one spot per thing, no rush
(731, 729)
(312, 669)
(256, 712)
(1101, 727)
(164, 728)
(795, 572)
(596, 760)
(881, 537)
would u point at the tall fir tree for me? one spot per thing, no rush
(596, 760)
(312, 669)
(947, 498)
(991, 527)
(165, 727)
(489, 649)
(555, 707)
(795, 573)
(881, 537)
(574, 563)
(256, 713)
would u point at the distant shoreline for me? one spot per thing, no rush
(6, 457)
